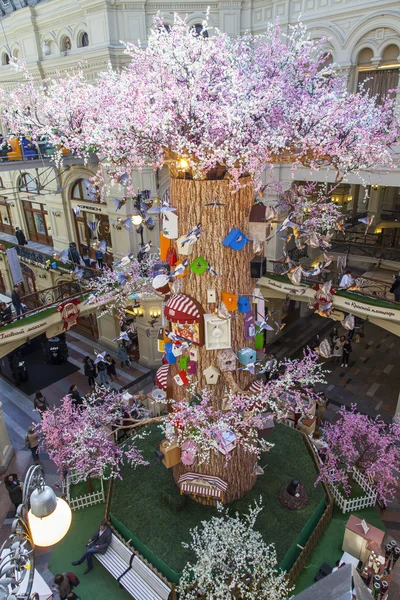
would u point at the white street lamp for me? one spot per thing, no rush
(42, 520)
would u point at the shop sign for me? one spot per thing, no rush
(90, 208)
(21, 331)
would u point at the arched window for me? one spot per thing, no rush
(390, 56)
(27, 183)
(65, 44)
(197, 29)
(378, 80)
(15, 53)
(85, 191)
(83, 40)
(5, 59)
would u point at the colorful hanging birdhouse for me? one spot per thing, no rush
(235, 240)
(170, 225)
(191, 367)
(169, 355)
(227, 360)
(177, 349)
(246, 356)
(212, 375)
(230, 301)
(250, 325)
(199, 265)
(217, 332)
(259, 341)
(183, 362)
(258, 228)
(160, 340)
(165, 244)
(183, 246)
(181, 378)
(194, 354)
(244, 304)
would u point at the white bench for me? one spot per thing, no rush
(131, 572)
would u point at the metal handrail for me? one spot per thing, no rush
(55, 293)
(365, 249)
(36, 310)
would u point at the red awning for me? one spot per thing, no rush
(162, 377)
(182, 309)
(256, 386)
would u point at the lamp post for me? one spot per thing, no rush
(42, 520)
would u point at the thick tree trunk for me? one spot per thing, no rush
(233, 275)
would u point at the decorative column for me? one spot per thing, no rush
(6, 450)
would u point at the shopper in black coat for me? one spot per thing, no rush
(14, 489)
(19, 234)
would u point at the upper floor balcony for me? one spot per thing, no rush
(9, 6)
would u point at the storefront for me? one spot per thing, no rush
(37, 222)
(92, 224)
(6, 224)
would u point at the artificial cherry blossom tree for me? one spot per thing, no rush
(82, 440)
(232, 561)
(218, 111)
(355, 441)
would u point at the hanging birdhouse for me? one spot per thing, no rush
(177, 349)
(227, 360)
(191, 367)
(169, 355)
(211, 296)
(199, 265)
(194, 354)
(246, 356)
(183, 246)
(235, 240)
(163, 380)
(160, 340)
(217, 332)
(258, 267)
(212, 375)
(170, 225)
(183, 362)
(250, 325)
(230, 301)
(244, 304)
(181, 378)
(259, 341)
(165, 244)
(186, 316)
(258, 227)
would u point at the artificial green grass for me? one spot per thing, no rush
(329, 549)
(147, 502)
(98, 584)
(76, 490)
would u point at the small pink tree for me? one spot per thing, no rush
(82, 439)
(357, 441)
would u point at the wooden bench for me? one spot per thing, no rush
(132, 573)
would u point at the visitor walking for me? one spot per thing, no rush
(40, 403)
(102, 371)
(98, 544)
(111, 371)
(32, 442)
(395, 289)
(347, 280)
(90, 370)
(100, 258)
(76, 397)
(338, 348)
(16, 301)
(14, 489)
(19, 234)
(62, 585)
(123, 355)
(334, 334)
(347, 350)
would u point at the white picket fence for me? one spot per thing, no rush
(351, 504)
(86, 500)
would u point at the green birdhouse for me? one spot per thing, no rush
(199, 265)
(183, 362)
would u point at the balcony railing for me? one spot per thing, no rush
(366, 249)
(56, 294)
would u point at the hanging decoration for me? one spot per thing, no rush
(186, 316)
(235, 240)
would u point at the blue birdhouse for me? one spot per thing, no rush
(235, 240)
(246, 356)
(169, 355)
(54, 265)
(244, 304)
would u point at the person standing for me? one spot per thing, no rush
(111, 371)
(100, 258)
(334, 334)
(347, 350)
(76, 397)
(73, 254)
(14, 488)
(40, 403)
(19, 234)
(90, 370)
(32, 442)
(102, 370)
(123, 355)
(16, 300)
(85, 255)
(98, 544)
(347, 280)
(338, 348)
(395, 289)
